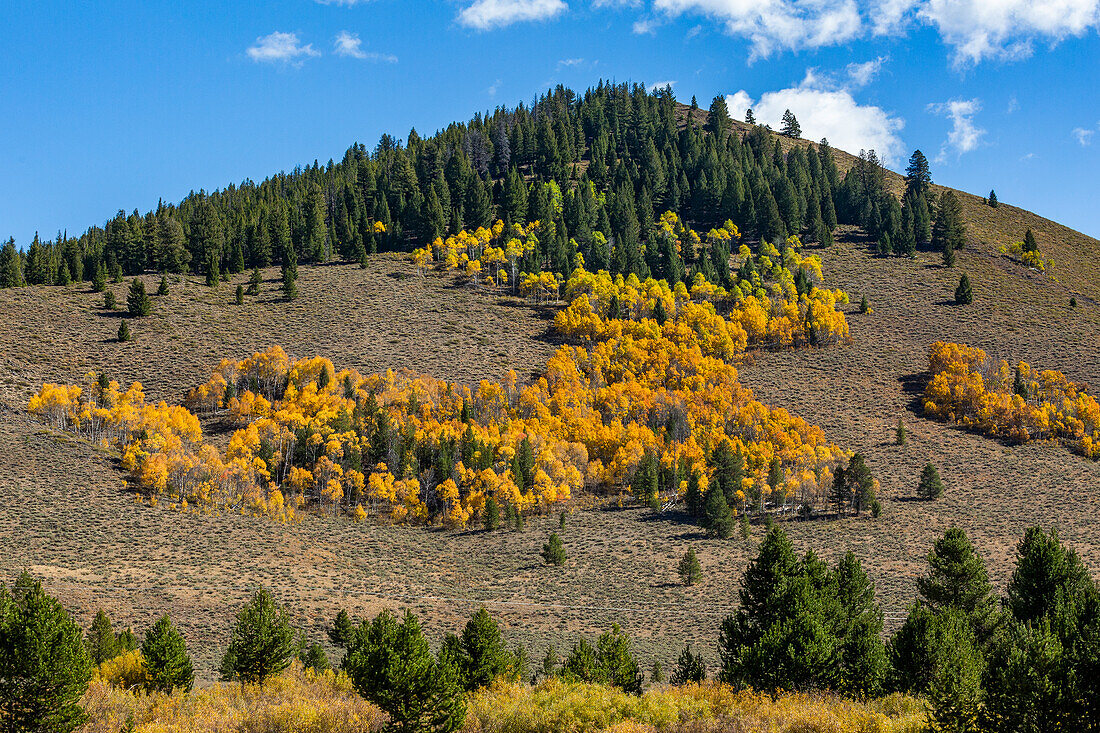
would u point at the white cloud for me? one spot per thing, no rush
(645, 26)
(1083, 136)
(349, 44)
(486, 14)
(571, 62)
(280, 47)
(1006, 29)
(1013, 105)
(975, 30)
(738, 103)
(772, 25)
(964, 135)
(829, 112)
(863, 74)
(661, 85)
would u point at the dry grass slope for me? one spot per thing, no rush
(64, 513)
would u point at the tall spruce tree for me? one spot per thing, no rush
(262, 642)
(167, 665)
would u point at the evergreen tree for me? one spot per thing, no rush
(11, 266)
(101, 640)
(750, 118)
(162, 289)
(314, 657)
(790, 127)
(1047, 575)
(957, 579)
(690, 667)
(254, 282)
(862, 662)
(44, 664)
(124, 334)
(611, 662)
(900, 435)
(930, 486)
(693, 496)
(261, 644)
(99, 277)
(948, 255)
(1030, 245)
(343, 629)
(992, 199)
(718, 118)
(553, 552)
(483, 657)
(955, 685)
(964, 295)
(491, 516)
(167, 666)
(717, 517)
(948, 232)
(138, 303)
(238, 297)
(918, 177)
(390, 664)
(689, 569)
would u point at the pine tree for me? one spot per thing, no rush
(262, 642)
(689, 569)
(864, 306)
(167, 666)
(900, 435)
(553, 552)
(718, 118)
(162, 288)
(254, 283)
(954, 691)
(964, 295)
(930, 486)
(750, 118)
(918, 178)
(948, 255)
(314, 657)
(790, 127)
(1047, 575)
(491, 516)
(390, 664)
(342, 629)
(948, 231)
(862, 662)
(44, 664)
(861, 484)
(138, 303)
(992, 199)
(1030, 245)
(124, 332)
(99, 277)
(717, 517)
(957, 579)
(483, 655)
(101, 640)
(693, 496)
(690, 668)
(238, 297)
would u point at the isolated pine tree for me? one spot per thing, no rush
(138, 303)
(167, 666)
(930, 486)
(964, 295)
(750, 118)
(689, 569)
(992, 199)
(553, 552)
(949, 255)
(124, 331)
(238, 298)
(900, 435)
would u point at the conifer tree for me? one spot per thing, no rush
(693, 496)
(342, 629)
(930, 486)
(862, 662)
(254, 282)
(690, 667)
(955, 688)
(167, 666)
(261, 644)
(991, 200)
(101, 640)
(124, 334)
(553, 552)
(918, 177)
(483, 655)
(900, 435)
(948, 231)
(1047, 574)
(964, 295)
(314, 657)
(790, 127)
(44, 664)
(99, 277)
(717, 517)
(138, 303)
(750, 118)
(689, 569)
(718, 118)
(390, 664)
(1030, 245)
(162, 288)
(238, 297)
(957, 579)
(491, 516)
(948, 255)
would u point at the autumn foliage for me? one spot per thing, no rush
(648, 371)
(985, 395)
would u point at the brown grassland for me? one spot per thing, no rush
(66, 515)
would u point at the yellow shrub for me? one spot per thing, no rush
(127, 670)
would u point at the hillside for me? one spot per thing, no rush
(66, 515)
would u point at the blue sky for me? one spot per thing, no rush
(113, 105)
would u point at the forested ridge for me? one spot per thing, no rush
(595, 168)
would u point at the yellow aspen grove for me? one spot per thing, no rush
(652, 375)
